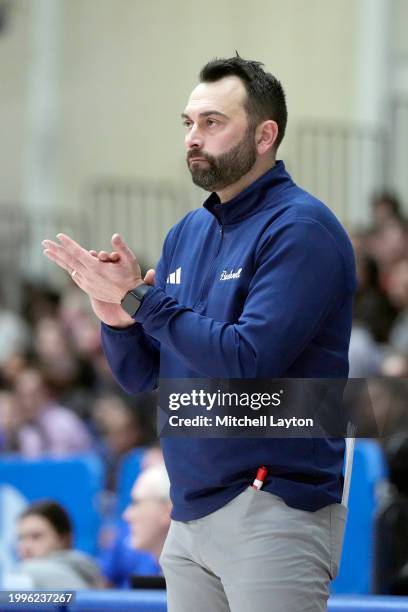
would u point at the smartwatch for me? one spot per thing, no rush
(134, 298)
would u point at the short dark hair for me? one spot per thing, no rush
(265, 94)
(390, 199)
(53, 512)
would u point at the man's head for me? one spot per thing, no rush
(32, 392)
(43, 528)
(148, 514)
(235, 118)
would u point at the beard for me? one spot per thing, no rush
(227, 168)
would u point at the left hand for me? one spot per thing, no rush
(108, 281)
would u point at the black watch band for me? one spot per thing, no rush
(134, 298)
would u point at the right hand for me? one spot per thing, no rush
(109, 313)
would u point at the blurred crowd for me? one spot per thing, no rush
(58, 397)
(379, 338)
(379, 343)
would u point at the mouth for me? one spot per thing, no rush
(197, 159)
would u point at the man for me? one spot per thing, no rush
(256, 284)
(44, 533)
(148, 513)
(45, 427)
(140, 539)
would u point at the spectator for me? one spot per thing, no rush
(385, 206)
(388, 405)
(120, 429)
(52, 348)
(152, 456)
(77, 319)
(140, 538)
(79, 323)
(398, 290)
(388, 246)
(45, 549)
(365, 356)
(70, 377)
(372, 308)
(47, 428)
(148, 514)
(9, 421)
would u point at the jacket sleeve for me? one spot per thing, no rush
(298, 282)
(133, 356)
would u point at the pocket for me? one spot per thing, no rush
(338, 517)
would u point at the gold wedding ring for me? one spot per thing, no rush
(73, 273)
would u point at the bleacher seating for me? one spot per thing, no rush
(75, 483)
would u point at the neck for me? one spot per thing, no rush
(257, 170)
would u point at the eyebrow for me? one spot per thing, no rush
(206, 114)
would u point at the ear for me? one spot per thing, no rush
(266, 135)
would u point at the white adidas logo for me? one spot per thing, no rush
(174, 278)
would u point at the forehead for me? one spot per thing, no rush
(141, 489)
(228, 96)
(33, 522)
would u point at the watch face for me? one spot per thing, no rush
(131, 304)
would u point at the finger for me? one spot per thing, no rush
(114, 256)
(150, 277)
(78, 280)
(120, 245)
(103, 256)
(61, 262)
(76, 251)
(62, 255)
(74, 274)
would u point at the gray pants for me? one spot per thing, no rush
(255, 554)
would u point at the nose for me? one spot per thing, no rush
(194, 139)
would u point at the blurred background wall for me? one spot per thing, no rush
(91, 93)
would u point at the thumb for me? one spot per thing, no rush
(150, 277)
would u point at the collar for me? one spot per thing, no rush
(252, 199)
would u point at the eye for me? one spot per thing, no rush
(187, 123)
(211, 122)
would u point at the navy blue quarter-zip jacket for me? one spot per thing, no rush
(257, 287)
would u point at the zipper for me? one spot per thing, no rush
(206, 283)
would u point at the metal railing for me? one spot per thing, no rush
(342, 165)
(398, 157)
(140, 211)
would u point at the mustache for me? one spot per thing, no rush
(195, 153)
